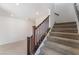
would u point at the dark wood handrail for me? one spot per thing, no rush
(42, 22)
(28, 45)
(33, 42)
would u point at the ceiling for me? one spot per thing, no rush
(24, 10)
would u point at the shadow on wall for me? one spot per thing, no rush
(4, 12)
(12, 30)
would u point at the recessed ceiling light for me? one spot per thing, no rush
(12, 15)
(37, 13)
(17, 4)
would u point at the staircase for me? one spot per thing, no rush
(63, 40)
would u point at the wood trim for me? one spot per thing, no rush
(42, 22)
(28, 45)
(34, 28)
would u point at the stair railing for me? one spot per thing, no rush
(39, 34)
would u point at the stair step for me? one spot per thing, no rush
(63, 29)
(66, 50)
(64, 41)
(65, 26)
(65, 23)
(66, 31)
(48, 51)
(74, 36)
(70, 27)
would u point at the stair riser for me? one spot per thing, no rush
(64, 42)
(75, 37)
(65, 31)
(64, 26)
(67, 23)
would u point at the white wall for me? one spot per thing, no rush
(66, 12)
(45, 13)
(16, 21)
(40, 19)
(52, 16)
(26, 10)
(19, 26)
(12, 29)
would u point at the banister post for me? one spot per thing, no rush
(28, 45)
(34, 28)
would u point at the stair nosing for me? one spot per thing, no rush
(64, 29)
(64, 39)
(65, 33)
(65, 23)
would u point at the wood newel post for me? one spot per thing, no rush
(28, 46)
(34, 28)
